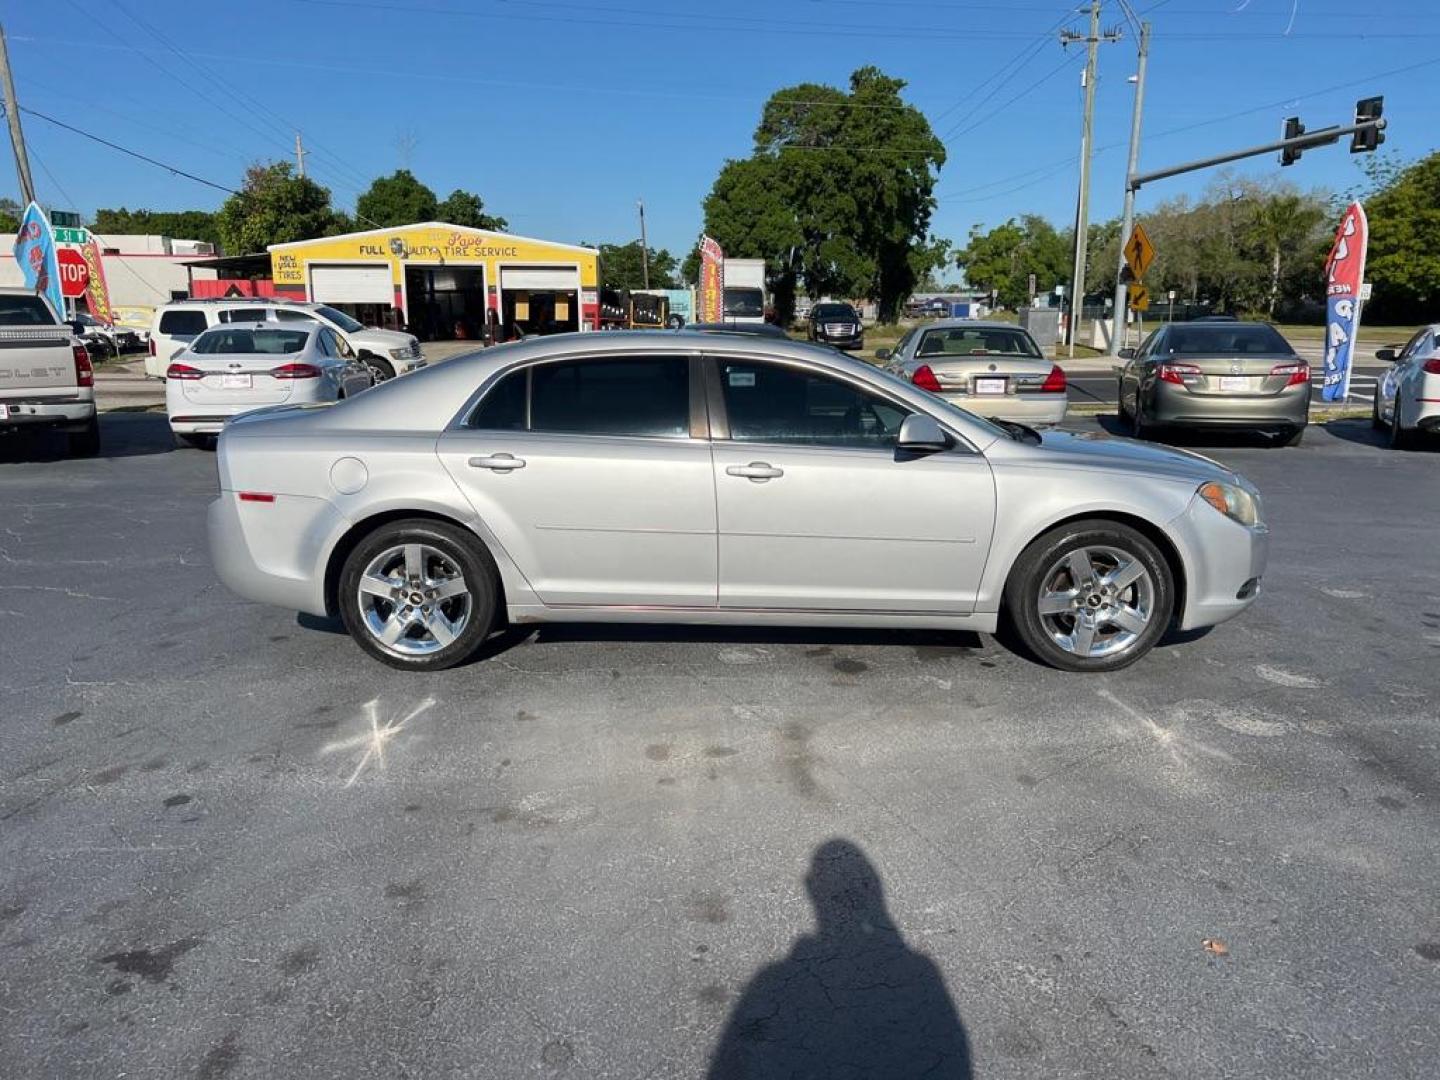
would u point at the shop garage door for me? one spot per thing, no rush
(538, 277)
(352, 285)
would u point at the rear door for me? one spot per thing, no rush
(35, 349)
(595, 475)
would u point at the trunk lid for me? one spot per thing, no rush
(1232, 375)
(231, 379)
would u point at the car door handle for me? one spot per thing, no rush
(759, 471)
(498, 462)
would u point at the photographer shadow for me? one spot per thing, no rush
(851, 1000)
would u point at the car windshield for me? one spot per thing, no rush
(1231, 339)
(233, 339)
(834, 311)
(24, 311)
(340, 319)
(744, 303)
(977, 341)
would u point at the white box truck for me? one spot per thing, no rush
(745, 298)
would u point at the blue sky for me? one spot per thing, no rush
(561, 113)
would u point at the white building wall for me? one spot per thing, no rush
(146, 275)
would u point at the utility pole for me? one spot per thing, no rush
(644, 246)
(1127, 225)
(17, 135)
(300, 153)
(1082, 210)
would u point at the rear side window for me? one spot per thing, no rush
(1233, 339)
(243, 315)
(268, 342)
(182, 323)
(25, 311)
(649, 396)
(504, 406)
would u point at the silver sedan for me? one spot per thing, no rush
(691, 478)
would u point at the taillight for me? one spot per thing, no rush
(257, 496)
(1431, 367)
(1177, 373)
(1299, 373)
(295, 371)
(925, 379)
(1054, 382)
(84, 370)
(183, 373)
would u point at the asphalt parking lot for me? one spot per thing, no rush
(230, 846)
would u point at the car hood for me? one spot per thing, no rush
(383, 339)
(1098, 450)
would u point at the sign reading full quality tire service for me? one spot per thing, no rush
(1344, 272)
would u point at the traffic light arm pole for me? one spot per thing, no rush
(1301, 142)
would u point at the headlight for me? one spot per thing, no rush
(1234, 502)
(400, 353)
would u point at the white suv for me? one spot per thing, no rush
(385, 352)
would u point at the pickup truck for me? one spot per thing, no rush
(46, 380)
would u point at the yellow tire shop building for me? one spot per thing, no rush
(444, 282)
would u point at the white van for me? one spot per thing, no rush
(386, 352)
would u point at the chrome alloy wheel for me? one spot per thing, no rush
(1096, 601)
(414, 600)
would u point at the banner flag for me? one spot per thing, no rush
(98, 290)
(1344, 273)
(35, 252)
(712, 281)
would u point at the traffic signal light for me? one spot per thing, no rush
(1293, 130)
(1366, 142)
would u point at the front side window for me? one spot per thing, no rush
(339, 318)
(243, 315)
(778, 404)
(630, 396)
(287, 315)
(236, 340)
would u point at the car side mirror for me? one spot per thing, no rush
(882, 354)
(1126, 353)
(1387, 355)
(919, 432)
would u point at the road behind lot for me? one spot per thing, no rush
(231, 846)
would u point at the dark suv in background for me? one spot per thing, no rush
(838, 325)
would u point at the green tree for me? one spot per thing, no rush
(1002, 259)
(397, 199)
(1282, 224)
(621, 267)
(10, 214)
(1404, 256)
(837, 194)
(467, 209)
(176, 224)
(274, 207)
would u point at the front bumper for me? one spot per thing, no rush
(1043, 409)
(1176, 406)
(274, 553)
(847, 342)
(1224, 560)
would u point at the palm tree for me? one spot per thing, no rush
(1280, 223)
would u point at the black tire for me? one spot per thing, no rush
(193, 441)
(86, 443)
(1375, 421)
(1139, 429)
(383, 370)
(1026, 582)
(463, 551)
(1400, 439)
(1292, 437)
(1120, 409)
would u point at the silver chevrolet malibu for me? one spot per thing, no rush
(689, 478)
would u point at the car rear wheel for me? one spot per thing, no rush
(419, 595)
(194, 441)
(1292, 437)
(86, 442)
(1090, 596)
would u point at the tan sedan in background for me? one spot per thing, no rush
(991, 369)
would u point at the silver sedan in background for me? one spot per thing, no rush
(993, 369)
(711, 478)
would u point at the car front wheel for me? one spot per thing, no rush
(1090, 596)
(1400, 439)
(419, 595)
(380, 369)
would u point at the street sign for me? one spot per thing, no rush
(1366, 288)
(74, 274)
(1139, 252)
(72, 236)
(1139, 296)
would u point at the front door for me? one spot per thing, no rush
(588, 473)
(818, 510)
